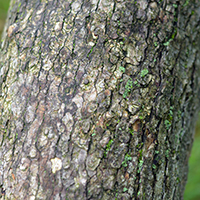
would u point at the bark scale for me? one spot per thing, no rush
(98, 98)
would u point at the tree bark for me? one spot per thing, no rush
(99, 98)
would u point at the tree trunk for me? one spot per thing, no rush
(98, 98)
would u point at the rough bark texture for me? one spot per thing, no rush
(98, 98)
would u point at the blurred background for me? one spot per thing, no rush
(4, 5)
(192, 191)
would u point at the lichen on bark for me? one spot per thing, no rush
(98, 98)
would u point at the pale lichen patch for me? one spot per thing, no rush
(68, 121)
(91, 43)
(58, 26)
(30, 112)
(79, 181)
(107, 6)
(33, 152)
(100, 85)
(17, 107)
(112, 82)
(8, 155)
(25, 20)
(42, 140)
(90, 95)
(25, 162)
(56, 164)
(118, 74)
(32, 197)
(78, 100)
(76, 6)
(92, 162)
(40, 11)
(47, 64)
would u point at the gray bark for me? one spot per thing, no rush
(99, 98)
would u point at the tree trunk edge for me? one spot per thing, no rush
(92, 120)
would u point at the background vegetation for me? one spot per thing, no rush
(4, 4)
(192, 191)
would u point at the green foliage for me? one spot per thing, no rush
(108, 146)
(140, 166)
(131, 131)
(128, 87)
(174, 34)
(171, 112)
(18, 7)
(90, 49)
(167, 43)
(167, 124)
(136, 83)
(192, 191)
(169, 119)
(167, 153)
(3, 12)
(125, 189)
(4, 5)
(141, 117)
(144, 72)
(140, 153)
(126, 159)
(122, 69)
(186, 3)
(154, 166)
(119, 23)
